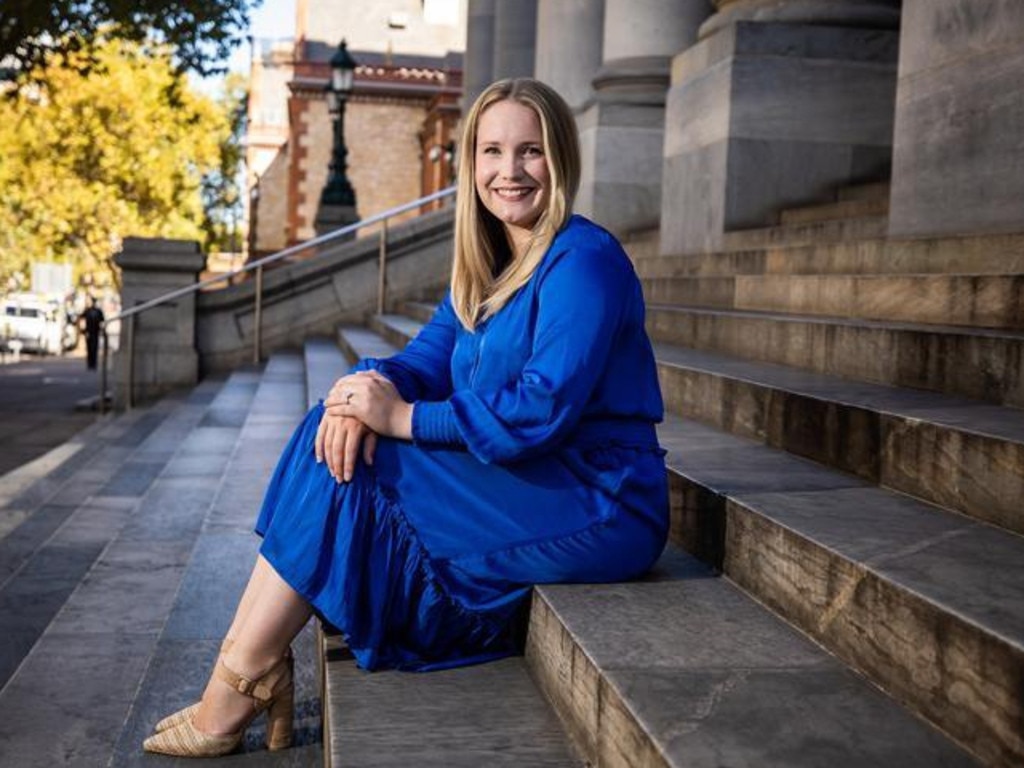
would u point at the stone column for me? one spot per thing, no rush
(569, 36)
(958, 155)
(478, 71)
(622, 129)
(165, 355)
(515, 38)
(779, 103)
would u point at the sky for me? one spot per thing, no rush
(273, 19)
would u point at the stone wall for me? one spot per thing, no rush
(958, 156)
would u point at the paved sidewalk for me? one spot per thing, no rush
(37, 406)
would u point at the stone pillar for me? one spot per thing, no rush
(569, 36)
(958, 155)
(515, 38)
(165, 355)
(622, 129)
(478, 71)
(779, 103)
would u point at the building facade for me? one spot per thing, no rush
(399, 120)
(699, 117)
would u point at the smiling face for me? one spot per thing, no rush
(511, 172)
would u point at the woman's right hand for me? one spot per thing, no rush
(338, 440)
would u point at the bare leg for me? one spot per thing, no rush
(249, 596)
(275, 615)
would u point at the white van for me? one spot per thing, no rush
(33, 322)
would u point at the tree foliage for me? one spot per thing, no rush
(92, 158)
(201, 32)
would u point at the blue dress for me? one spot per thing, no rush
(534, 460)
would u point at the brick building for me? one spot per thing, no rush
(399, 120)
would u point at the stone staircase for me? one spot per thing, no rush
(844, 585)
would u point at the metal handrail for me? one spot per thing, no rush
(131, 313)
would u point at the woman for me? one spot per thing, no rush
(511, 443)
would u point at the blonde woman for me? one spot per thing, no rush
(511, 443)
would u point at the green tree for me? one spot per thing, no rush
(201, 32)
(90, 158)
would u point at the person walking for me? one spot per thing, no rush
(511, 443)
(92, 323)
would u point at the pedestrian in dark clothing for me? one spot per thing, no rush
(92, 319)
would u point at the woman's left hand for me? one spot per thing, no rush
(374, 400)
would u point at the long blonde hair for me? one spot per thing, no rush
(484, 277)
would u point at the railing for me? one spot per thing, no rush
(127, 317)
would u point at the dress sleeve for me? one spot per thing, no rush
(583, 300)
(421, 371)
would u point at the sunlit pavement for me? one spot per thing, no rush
(37, 405)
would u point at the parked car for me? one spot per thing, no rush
(35, 323)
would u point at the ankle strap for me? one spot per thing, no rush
(255, 689)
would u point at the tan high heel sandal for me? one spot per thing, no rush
(188, 712)
(274, 691)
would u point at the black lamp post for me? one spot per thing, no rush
(338, 199)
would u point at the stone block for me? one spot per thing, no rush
(983, 365)
(957, 156)
(620, 146)
(764, 116)
(711, 679)
(966, 456)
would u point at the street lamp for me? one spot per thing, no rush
(338, 199)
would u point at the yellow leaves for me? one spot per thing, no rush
(91, 159)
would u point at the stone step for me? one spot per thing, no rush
(396, 330)
(683, 669)
(140, 523)
(218, 546)
(875, 190)
(643, 244)
(490, 714)
(844, 209)
(420, 311)
(974, 255)
(979, 301)
(927, 603)
(324, 364)
(961, 454)
(971, 362)
(806, 234)
(71, 516)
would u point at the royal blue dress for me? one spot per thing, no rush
(534, 460)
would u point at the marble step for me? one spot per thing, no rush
(87, 663)
(642, 245)
(324, 364)
(806, 234)
(683, 669)
(874, 190)
(975, 255)
(962, 454)
(421, 311)
(396, 330)
(844, 209)
(925, 602)
(970, 362)
(218, 550)
(44, 558)
(980, 301)
(490, 714)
